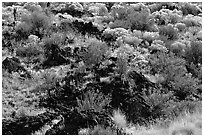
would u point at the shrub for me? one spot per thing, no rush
(23, 30)
(95, 52)
(53, 39)
(119, 12)
(189, 8)
(169, 32)
(180, 26)
(32, 7)
(119, 119)
(93, 100)
(166, 16)
(191, 21)
(150, 36)
(30, 51)
(141, 21)
(35, 23)
(178, 48)
(195, 70)
(21, 112)
(131, 40)
(120, 24)
(103, 10)
(159, 100)
(185, 87)
(176, 77)
(194, 52)
(98, 9)
(136, 8)
(157, 45)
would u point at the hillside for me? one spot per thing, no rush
(113, 68)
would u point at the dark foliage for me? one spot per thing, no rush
(54, 57)
(86, 28)
(26, 125)
(12, 64)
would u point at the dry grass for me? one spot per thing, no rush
(119, 119)
(186, 124)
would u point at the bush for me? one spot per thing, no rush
(98, 9)
(141, 21)
(32, 7)
(169, 32)
(119, 12)
(35, 23)
(180, 26)
(176, 76)
(120, 24)
(194, 52)
(185, 87)
(93, 100)
(191, 21)
(189, 8)
(53, 39)
(159, 100)
(29, 51)
(94, 53)
(23, 30)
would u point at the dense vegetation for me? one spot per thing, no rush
(100, 68)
